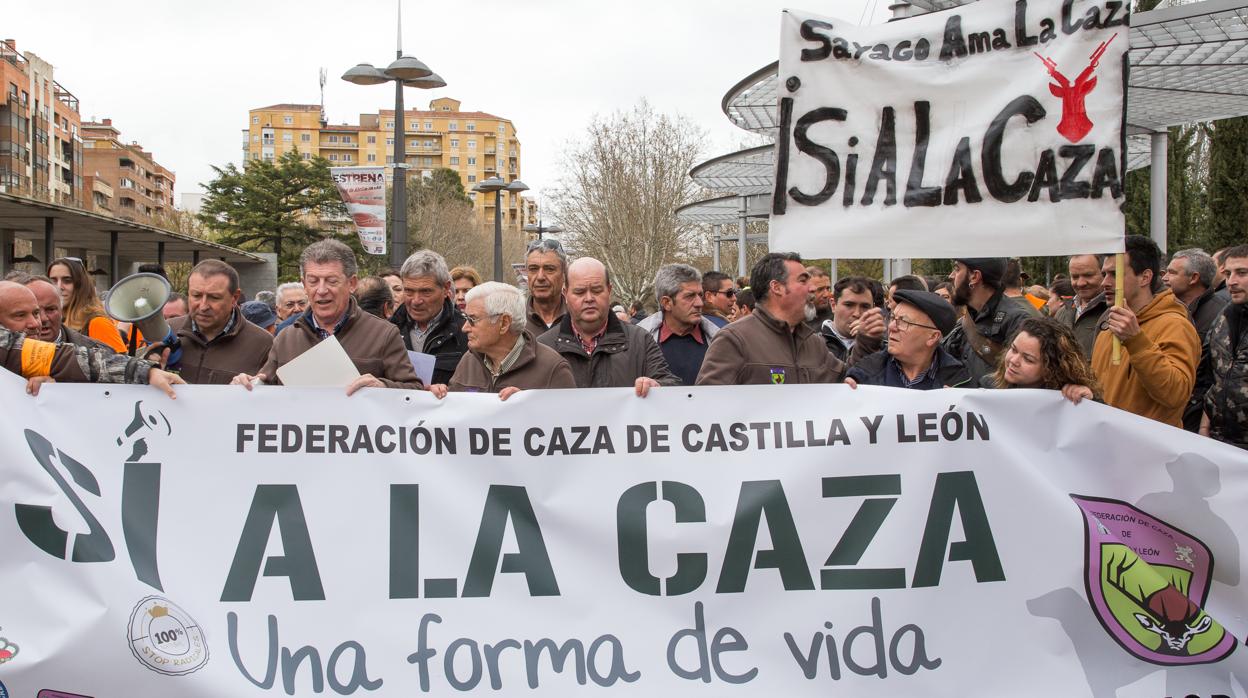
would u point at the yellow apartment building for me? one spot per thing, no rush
(475, 144)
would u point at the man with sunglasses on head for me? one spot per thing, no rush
(914, 358)
(718, 295)
(546, 265)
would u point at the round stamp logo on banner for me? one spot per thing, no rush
(165, 638)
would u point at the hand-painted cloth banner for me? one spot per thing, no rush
(992, 129)
(363, 190)
(762, 540)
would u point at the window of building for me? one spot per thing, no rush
(255, 139)
(390, 124)
(372, 139)
(372, 157)
(472, 178)
(472, 161)
(428, 125)
(454, 160)
(288, 137)
(333, 156)
(415, 126)
(428, 161)
(454, 142)
(453, 126)
(346, 157)
(254, 119)
(307, 156)
(346, 139)
(389, 159)
(428, 144)
(502, 130)
(305, 137)
(333, 139)
(288, 119)
(389, 141)
(471, 126)
(472, 144)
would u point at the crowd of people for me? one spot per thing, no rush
(1174, 350)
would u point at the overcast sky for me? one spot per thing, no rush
(179, 77)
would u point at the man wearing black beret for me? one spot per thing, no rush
(914, 358)
(990, 320)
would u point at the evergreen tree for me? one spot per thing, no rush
(1228, 202)
(275, 206)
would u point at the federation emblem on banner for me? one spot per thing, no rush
(8, 650)
(1147, 583)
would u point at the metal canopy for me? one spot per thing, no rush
(74, 228)
(724, 210)
(1187, 65)
(743, 173)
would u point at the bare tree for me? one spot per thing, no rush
(622, 185)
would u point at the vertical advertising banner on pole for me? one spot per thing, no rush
(992, 129)
(363, 190)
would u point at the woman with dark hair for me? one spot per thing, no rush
(1044, 354)
(83, 311)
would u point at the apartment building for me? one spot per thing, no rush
(40, 146)
(123, 179)
(475, 144)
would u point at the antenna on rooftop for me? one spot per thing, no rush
(323, 121)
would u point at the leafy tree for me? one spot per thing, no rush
(276, 206)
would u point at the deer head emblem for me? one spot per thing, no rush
(1075, 124)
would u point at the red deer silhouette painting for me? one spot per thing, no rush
(1075, 124)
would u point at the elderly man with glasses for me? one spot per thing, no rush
(374, 346)
(914, 358)
(503, 355)
(546, 265)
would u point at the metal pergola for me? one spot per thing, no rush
(1187, 64)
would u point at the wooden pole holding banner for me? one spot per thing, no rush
(1119, 264)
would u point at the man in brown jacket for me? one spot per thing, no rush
(217, 341)
(374, 346)
(503, 357)
(773, 344)
(602, 351)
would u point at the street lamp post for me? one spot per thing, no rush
(542, 229)
(497, 185)
(405, 71)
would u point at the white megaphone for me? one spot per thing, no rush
(139, 300)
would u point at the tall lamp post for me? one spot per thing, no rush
(405, 71)
(497, 185)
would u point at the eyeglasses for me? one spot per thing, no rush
(731, 293)
(545, 244)
(905, 323)
(474, 321)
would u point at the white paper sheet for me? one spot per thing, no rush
(423, 363)
(325, 365)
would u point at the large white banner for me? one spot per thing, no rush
(363, 190)
(755, 541)
(992, 129)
